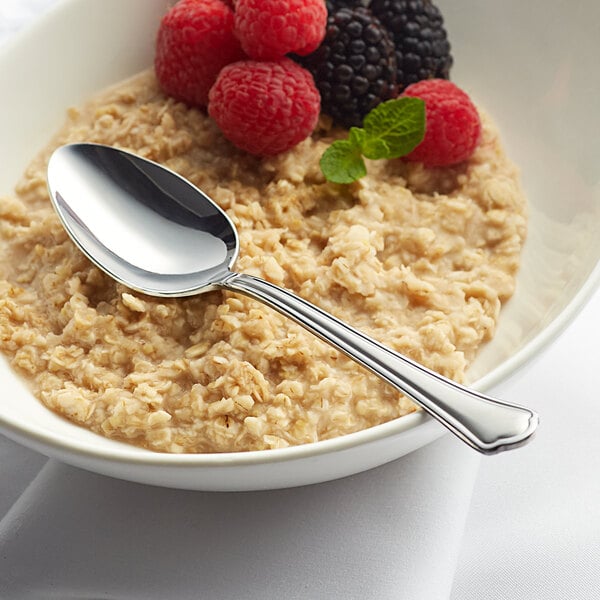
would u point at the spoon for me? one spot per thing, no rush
(156, 233)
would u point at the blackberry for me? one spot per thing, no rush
(417, 30)
(333, 5)
(354, 67)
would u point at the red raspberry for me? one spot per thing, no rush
(265, 107)
(195, 41)
(452, 123)
(270, 29)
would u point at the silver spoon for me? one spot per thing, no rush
(155, 232)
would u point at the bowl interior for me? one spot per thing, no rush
(531, 65)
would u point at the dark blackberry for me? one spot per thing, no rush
(354, 67)
(333, 5)
(417, 29)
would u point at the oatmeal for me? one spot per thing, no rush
(420, 259)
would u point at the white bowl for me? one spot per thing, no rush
(532, 65)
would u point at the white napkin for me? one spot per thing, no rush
(393, 532)
(18, 466)
(533, 531)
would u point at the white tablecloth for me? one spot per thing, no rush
(441, 523)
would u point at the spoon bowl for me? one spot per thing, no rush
(144, 225)
(156, 233)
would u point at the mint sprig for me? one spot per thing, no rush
(392, 129)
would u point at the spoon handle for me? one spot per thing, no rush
(486, 424)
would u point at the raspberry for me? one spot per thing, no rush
(265, 107)
(354, 67)
(452, 123)
(270, 29)
(195, 41)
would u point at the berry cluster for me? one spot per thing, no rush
(232, 57)
(229, 57)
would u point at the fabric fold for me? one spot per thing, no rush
(18, 468)
(391, 532)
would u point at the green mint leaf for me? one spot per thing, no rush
(376, 148)
(394, 128)
(342, 162)
(357, 136)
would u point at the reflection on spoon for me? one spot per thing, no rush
(155, 232)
